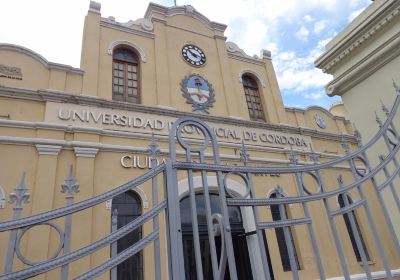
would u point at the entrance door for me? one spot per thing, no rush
(129, 208)
(238, 239)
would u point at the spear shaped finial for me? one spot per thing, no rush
(244, 155)
(378, 120)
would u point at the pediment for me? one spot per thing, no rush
(180, 14)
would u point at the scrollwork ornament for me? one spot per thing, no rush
(20, 195)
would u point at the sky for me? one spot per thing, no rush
(295, 31)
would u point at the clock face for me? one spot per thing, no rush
(193, 55)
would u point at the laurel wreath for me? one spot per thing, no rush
(202, 107)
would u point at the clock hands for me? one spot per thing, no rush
(194, 54)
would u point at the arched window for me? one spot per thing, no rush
(125, 75)
(346, 218)
(280, 236)
(129, 208)
(253, 99)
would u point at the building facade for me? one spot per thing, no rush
(136, 79)
(364, 60)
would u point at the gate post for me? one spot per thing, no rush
(175, 248)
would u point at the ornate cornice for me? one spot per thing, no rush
(40, 59)
(63, 97)
(155, 9)
(125, 27)
(237, 53)
(359, 35)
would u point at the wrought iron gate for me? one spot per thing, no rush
(202, 163)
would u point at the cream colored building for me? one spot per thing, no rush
(135, 79)
(364, 60)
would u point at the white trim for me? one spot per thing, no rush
(133, 45)
(247, 216)
(2, 198)
(258, 76)
(85, 152)
(50, 150)
(271, 191)
(141, 193)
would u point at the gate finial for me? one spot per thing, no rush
(70, 186)
(20, 195)
(378, 120)
(244, 155)
(292, 156)
(384, 108)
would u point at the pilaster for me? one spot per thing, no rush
(43, 189)
(85, 164)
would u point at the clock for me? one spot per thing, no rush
(193, 55)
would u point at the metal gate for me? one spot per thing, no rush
(200, 161)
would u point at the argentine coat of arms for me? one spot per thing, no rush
(198, 92)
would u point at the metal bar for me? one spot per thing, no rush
(357, 236)
(19, 196)
(348, 208)
(175, 248)
(195, 225)
(69, 187)
(288, 239)
(210, 225)
(309, 225)
(132, 250)
(84, 251)
(260, 231)
(392, 188)
(153, 149)
(370, 218)
(285, 223)
(76, 207)
(114, 249)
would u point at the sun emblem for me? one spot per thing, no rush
(198, 92)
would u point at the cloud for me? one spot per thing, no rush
(302, 33)
(314, 95)
(319, 26)
(308, 18)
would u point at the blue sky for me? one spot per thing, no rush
(295, 31)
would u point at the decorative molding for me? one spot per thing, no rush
(254, 73)
(143, 23)
(68, 145)
(154, 9)
(85, 152)
(361, 70)
(40, 59)
(237, 53)
(94, 7)
(49, 150)
(63, 97)
(120, 27)
(131, 44)
(358, 37)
